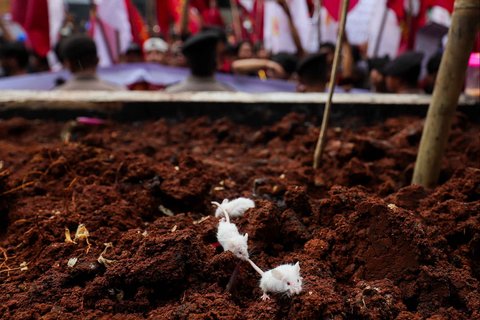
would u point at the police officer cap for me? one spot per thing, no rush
(286, 60)
(204, 41)
(404, 64)
(378, 63)
(314, 63)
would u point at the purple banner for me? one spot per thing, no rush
(127, 74)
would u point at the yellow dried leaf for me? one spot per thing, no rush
(68, 237)
(82, 233)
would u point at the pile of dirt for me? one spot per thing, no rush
(370, 245)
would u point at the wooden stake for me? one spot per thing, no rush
(333, 78)
(449, 84)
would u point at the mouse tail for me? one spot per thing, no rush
(254, 266)
(227, 217)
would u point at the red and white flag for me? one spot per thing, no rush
(115, 25)
(42, 20)
(111, 30)
(385, 32)
(325, 21)
(276, 31)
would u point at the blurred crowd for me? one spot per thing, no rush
(215, 50)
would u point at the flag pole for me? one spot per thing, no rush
(184, 18)
(237, 27)
(318, 5)
(380, 31)
(333, 78)
(151, 9)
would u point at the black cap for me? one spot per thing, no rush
(202, 41)
(378, 63)
(405, 65)
(286, 60)
(314, 65)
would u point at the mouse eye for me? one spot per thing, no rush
(288, 283)
(298, 280)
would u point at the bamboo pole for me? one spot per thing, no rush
(333, 78)
(451, 75)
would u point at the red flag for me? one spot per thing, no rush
(170, 12)
(211, 14)
(397, 7)
(139, 29)
(200, 5)
(163, 16)
(33, 17)
(257, 16)
(333, 7)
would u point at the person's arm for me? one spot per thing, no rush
(246, 66)
(348, 63)
(293, 28)
(8, 37)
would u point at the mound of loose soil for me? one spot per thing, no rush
(370, 246)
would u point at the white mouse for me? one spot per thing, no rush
(282, 279)
(235, 208)
(230, 239)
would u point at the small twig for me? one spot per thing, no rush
(333, 78)
(72, 183)
(18, 188)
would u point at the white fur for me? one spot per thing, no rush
(232, 240)
(282, 279)
(235, 208)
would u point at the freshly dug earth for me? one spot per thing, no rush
(370, 246)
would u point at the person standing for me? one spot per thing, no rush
(79, 54)
(200, 52)
(401, 74)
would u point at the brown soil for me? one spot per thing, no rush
(369, 245)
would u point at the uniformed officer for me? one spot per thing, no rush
(402, 73)
(200, 53)
(312, 73)
(79, 54)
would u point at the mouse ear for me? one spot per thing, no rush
(225, 201)
(245, 236)
(277, 274)
(297, 266)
